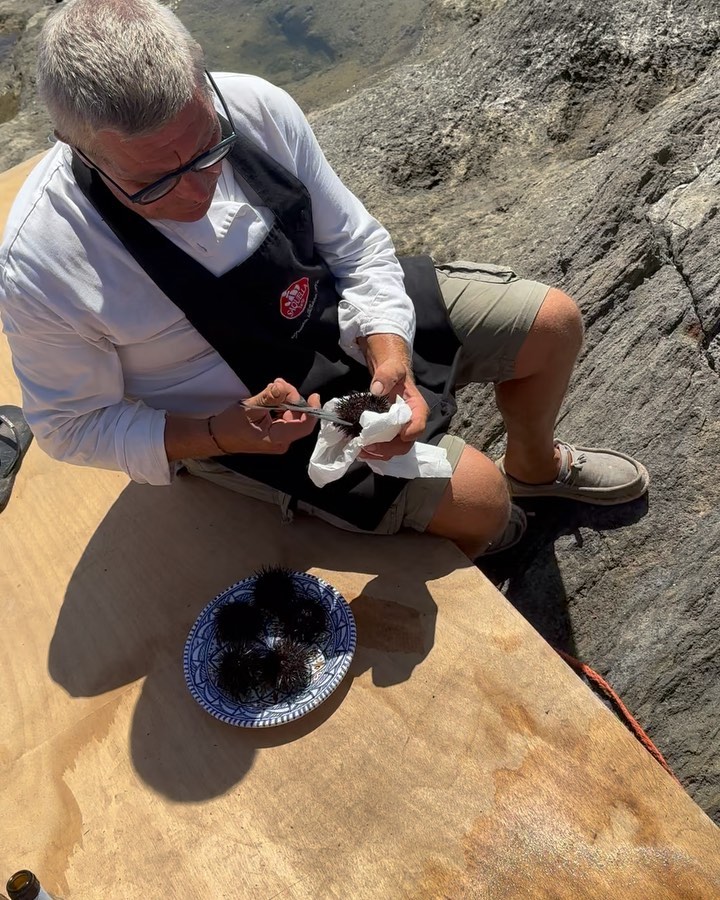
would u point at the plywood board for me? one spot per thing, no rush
(461, 758)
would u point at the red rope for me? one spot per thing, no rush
(599, 682)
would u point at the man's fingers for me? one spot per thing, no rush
(284, 392)
(386, 450)
(264, 398)
(294, 415)
(286, 432)
(258, 417)
(413, 430)
(278, 391)
(386, 378)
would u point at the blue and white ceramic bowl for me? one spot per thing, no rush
(333, 653)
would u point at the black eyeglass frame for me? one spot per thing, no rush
(173, 178)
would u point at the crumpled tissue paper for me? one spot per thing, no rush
(335, 452)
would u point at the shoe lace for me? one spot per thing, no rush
(577, 461)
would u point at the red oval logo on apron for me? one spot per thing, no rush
(294, 300)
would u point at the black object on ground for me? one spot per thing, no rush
(15, 438)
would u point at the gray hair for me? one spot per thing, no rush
(127, 66)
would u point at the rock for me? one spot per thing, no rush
(577, 143)
(24, 124)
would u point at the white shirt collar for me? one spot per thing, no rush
(215, 224)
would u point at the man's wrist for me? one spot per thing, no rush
(186, 437)
(382, 348)
(213, 438)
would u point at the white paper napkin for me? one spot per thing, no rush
(335, 452)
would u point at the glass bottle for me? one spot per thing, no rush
(24, 885)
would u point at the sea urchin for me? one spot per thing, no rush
(294, 666)
(239, 623)
(352, 406)
(242, 671)
(307, 623)
(274, 590)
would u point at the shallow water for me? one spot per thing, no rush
(319, 51)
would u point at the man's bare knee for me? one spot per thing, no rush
(475, 507)
(556, 336)
(560, 318)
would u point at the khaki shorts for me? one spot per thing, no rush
(492, 311)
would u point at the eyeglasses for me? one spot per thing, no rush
(205, 160)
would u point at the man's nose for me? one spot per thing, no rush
(195, 186)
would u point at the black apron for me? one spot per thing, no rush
(276, 316)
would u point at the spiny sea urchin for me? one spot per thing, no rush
(307, 622)
(294, 666)
(274, 590)
(269, 639)
(239, 623)
(352, 406)
(240, 671)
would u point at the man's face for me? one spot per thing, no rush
(138, 161)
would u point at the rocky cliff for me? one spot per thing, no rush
(576, 142)
(24, 125)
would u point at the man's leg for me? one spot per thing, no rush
(530, 401)
(493, 312)
(391, 523)
(471, 508)
(525, 337)
(474, 509)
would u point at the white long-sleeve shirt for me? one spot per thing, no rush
(102, 354)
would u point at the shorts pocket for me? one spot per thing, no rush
(470, 271)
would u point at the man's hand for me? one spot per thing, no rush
(241, 430)
(388, 359)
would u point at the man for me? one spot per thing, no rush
(186, 243)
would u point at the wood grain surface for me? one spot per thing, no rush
(460, 758)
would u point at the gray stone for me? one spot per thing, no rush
(24, 124)
(578, 144)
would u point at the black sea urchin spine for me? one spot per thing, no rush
(240, 672)
(274, 590)
(309, 621)
(239, 623)
(352, 406)
(294, 670)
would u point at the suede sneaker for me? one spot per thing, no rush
(589, 474)
(513, 534)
